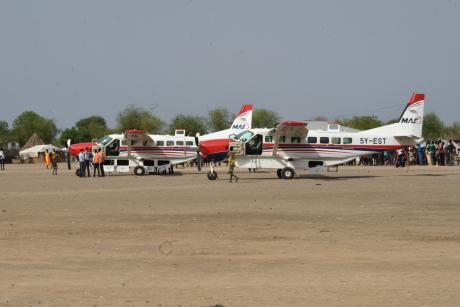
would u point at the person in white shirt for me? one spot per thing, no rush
(2, 159)
(81, 160)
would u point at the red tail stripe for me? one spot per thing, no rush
(245, 108)
(416, 97)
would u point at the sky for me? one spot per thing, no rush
(67, 60)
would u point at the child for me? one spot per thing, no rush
(54, 163)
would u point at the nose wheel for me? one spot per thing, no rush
(212, 175)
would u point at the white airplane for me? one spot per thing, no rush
(291, 146)
(144, 153)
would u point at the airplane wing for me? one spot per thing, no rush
(289, 129)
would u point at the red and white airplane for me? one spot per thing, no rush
(135, 149)
(291, 146)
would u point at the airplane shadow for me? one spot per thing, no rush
(307, 177)
(430, 175)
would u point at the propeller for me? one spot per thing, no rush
(69, 163)
(198, 155)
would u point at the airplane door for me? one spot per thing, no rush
(113, 149)
(253, 148)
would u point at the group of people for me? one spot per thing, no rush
(51, 161)
(433, 153)
(87, 158)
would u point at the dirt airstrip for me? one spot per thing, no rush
(365, 236)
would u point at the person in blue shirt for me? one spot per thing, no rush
(81, 161)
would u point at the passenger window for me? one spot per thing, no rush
(268, 139)
(312, 140)
(324, 140)
(295, 140)
(179, 143)
(335, 140)
(347, 140)
(169, 143)
(189, 143)
(124, 142)
(282, 139)
(160, 143)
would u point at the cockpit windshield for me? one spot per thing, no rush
(244, 136)
(104, 140)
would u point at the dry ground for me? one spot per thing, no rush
(366, 236)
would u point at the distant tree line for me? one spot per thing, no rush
(136, 117)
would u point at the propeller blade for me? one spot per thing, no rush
(198, 155)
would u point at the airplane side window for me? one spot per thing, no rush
(282, 139)
(268, 139)
(169, 143)
(335, 140)
(160, 143)
(179, 143)
(324, 140)
(312, 140)
(295, 140)
(189, 143)
(347, 140)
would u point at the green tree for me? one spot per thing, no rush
(92, 127)
(453, 130)
(72, 134)
(29, 122)
(433, 128)
(219, 119)
(4, 132)
(191, 124)
(85, 130)
(135, 117)
(361, 122)
(263, 118)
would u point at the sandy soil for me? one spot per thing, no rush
(365, 236)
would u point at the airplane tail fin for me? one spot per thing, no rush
(243, 120)
(410, 122)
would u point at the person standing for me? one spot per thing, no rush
(47, 159)
(429, 153)
(82, 165)
(450, 152)
(231, 166)
(101, 161)
(2, 159)
(96, 162)
(87, 161)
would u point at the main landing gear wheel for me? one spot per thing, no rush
(212, 175)
(278, 172)
(139, 171)
(287, 173)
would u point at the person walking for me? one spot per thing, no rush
(231, 166)
(82, 164)
(54, 162)
(87, 155)
(2, 159)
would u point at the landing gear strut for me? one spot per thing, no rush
(212, 174)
